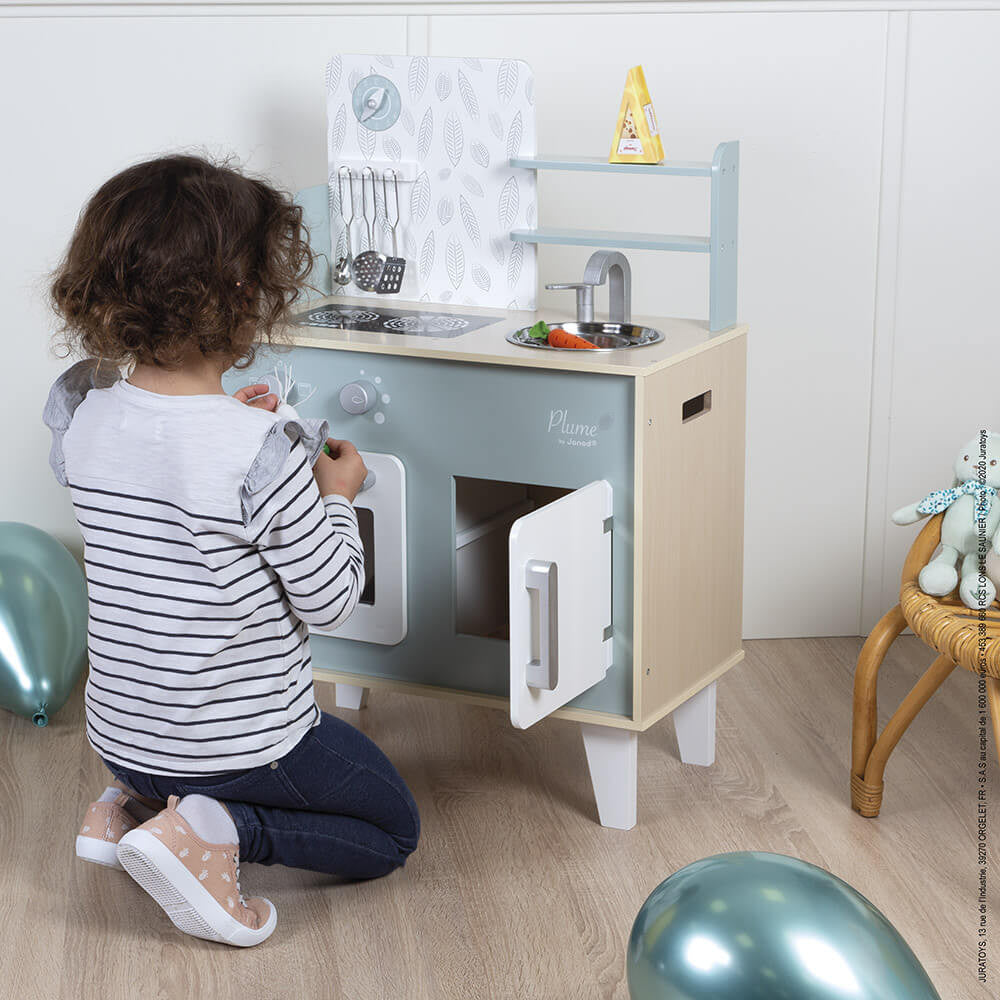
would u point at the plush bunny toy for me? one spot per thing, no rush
(972, 498)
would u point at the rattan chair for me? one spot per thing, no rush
(962, 637)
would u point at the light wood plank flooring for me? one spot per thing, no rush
(515, 891)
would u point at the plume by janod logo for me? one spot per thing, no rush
(576, 433)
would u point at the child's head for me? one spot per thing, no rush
(178, 259)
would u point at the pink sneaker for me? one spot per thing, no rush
(104, 824)
(196, 884)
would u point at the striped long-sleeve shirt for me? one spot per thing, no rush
(209, 551)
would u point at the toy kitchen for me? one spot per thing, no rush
(550, 530)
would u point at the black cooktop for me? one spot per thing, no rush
(379, 319)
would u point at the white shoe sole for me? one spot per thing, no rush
(190, 906)
(99, 852)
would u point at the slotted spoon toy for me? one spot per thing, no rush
(392, 274)
(368, 266)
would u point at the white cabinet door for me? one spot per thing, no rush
(560, 602)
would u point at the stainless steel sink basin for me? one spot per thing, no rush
(604, 336)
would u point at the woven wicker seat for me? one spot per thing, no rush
(962, 637)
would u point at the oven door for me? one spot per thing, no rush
(560, 602)
(380, 616)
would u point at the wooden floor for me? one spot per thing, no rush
(515, 891)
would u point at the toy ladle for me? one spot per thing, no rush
(342, 272)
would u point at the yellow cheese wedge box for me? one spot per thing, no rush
(637, 136)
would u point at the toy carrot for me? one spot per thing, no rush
(560, 338)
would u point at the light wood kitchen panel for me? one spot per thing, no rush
(689, 524)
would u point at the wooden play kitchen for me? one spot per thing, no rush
(550, 532)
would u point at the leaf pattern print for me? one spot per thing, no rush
(427, 257)
(455, 261)
(473, 186)
(514, 262)
(514, 135)
(392, 148)
(416, 77)
(469, 98)
(498, 249)
(462, 121)
(469, 220)
(508, 203)
(481, 277)
(506, 80)
(334, 69)
(366, 141)
(338, 130)
(354, 79)
(425, 135)
(480, 154)
(420, 198)
(454, 139)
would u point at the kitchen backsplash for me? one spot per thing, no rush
(449, 128)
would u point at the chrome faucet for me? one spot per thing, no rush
(604, 265)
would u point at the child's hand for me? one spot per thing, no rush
(258, 396)
(341, 472)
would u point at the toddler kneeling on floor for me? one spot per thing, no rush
(216, 532)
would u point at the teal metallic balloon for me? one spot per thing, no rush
(43, 622)
(755, 926)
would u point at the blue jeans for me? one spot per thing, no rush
(332, 804)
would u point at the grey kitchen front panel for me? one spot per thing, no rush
(445, 419)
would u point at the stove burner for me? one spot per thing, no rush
(426, 324)
(333, 317)
(408, 322)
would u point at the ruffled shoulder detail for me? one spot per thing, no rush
(272, 457)
(66, 394)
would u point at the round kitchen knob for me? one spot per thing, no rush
(358, 397)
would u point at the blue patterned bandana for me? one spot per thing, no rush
(941, 500)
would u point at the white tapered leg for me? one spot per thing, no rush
(694, 722)
(350, 696)
(612, 756)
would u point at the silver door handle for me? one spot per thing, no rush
(542, 576)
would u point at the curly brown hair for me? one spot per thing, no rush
(179, 255)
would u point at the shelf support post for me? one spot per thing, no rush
(722, 241)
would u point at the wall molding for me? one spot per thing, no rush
(266, 8)
(874, 582)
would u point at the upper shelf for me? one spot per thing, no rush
(594, 164)
(618, 241)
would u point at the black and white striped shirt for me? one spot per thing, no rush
(208, 552)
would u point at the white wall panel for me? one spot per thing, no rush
(803, 94)
(946, 359)
(84, 97)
